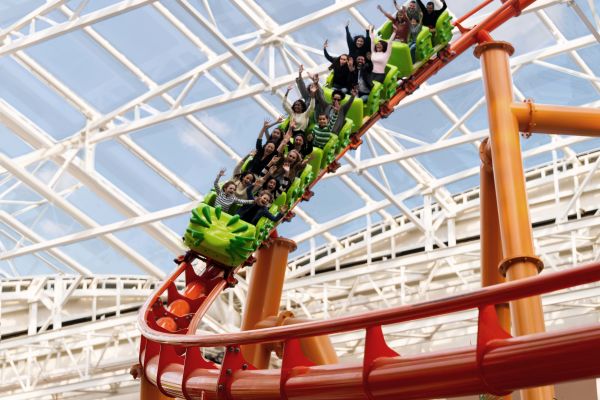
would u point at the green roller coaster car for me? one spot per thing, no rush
(223, 237)
(296, 189)
(220, 236)
(344, 135)
(443, 29)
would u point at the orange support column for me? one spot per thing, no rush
(264, 294)
(491, 245)
(513, 210)
(318, 349)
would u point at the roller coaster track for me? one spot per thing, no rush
(172, 359)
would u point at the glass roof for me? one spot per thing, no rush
(116, 115)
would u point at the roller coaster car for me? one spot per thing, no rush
(219, 236)
(376, 96)
(426, 45)
(225, 238)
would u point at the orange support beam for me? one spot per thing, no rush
(318, 349)
(513, 208)
(262, 307)
(546, 118)
(491, 245)
(264, 294)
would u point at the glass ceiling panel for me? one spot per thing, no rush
(90, 70)
(153, 44)
(40, 104)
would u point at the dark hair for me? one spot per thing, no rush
(323, 114)
(338, 93)
(226, 184)
(431, 2)
(245, 174)
(277, 184)
(358, 37)
(302, 103)
(384, 45)
(336, 63)
(263, 192)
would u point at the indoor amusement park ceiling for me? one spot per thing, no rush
(116, 116)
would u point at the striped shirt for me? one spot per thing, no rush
(224, 201)
(321, 136)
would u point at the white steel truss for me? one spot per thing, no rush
(418, 241)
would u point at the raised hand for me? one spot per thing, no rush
(273, 161)
(288, 135)
(300, 70)
(283, 208)
(292, 123)
(266, 123)
(326, 44)
(350, 63)
(380, 8)
(222, 171)
(280, 119)
(290, 87)
(347, 23)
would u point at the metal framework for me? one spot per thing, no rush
(415, 243)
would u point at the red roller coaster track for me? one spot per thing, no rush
(497, 364)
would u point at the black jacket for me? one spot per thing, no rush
(429, 20)
(251, 213)
(354, 51)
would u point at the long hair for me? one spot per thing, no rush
(294, 168)
(336, 63)
(275, 189)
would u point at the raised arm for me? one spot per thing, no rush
(326, 54)
(216, 183)
(287, 136)
(372, 40)
(444, 6)
(396, 5)
(421, 6)
(263, 130)
(349, 38)
(348, 104)
(388, 51)
(286, 104)
(311, 105)
(367, 37)
(388, 15)
(237, 170)
(300, 83)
